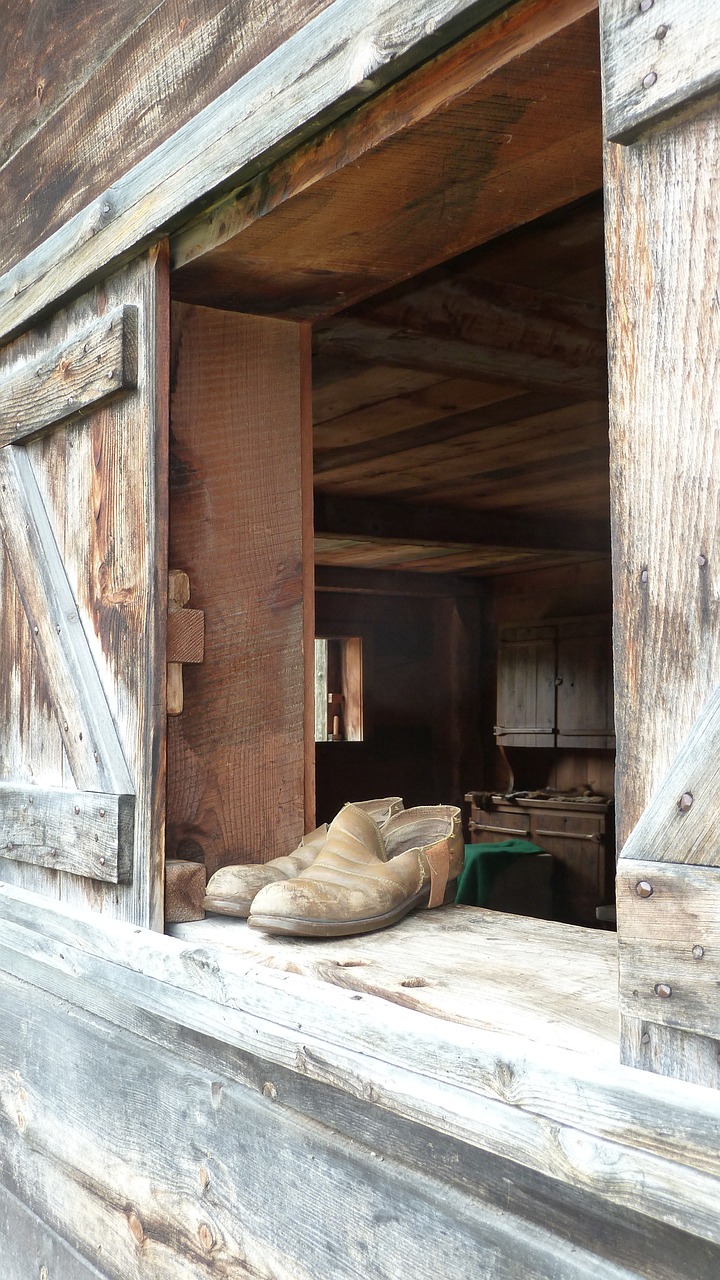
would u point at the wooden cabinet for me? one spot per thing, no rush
(554, 685)
(578, 834)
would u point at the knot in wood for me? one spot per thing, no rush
(206, 1237)
(136, 1226)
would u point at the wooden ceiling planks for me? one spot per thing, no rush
(489, 135)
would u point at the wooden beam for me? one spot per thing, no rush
(89, 734)
(415, 347)
(359, 517)
(668, 947)
(380, 582)
(334, 62)
(89, 369)
(83, 832)
(658, 59)
(498, 129)
(500, 413)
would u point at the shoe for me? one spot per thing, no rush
(364, 878)
(230, 891)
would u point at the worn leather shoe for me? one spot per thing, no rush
(364, 878)
(230, 891)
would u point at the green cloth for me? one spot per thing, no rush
(482, 863)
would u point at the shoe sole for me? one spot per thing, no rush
(238, 907)
(304, 928)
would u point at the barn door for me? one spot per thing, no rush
(83, 496)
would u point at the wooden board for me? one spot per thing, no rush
(494, 132)
(660, 60)
(239, 1164)
(236, 754)
(313, 77)
(83, 832)
(90, 552)
(107, 87)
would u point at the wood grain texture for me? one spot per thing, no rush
(185, 635)
(105, 85)
(335, 61)
(236, 755)
(494, 132)
(87, 370)
(263, 1158)
(490, 1090)
(663, 252)
(30, 1242)
(184, 891)
(668, 946)
(658, 62)
(83, 832)
(90, 737)
(104, 491)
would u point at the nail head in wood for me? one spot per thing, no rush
(269, 1090)
(649, 80)
(685, 802)
(663, 989)
(644, 889)
(645, 5)
(661, 32)
(643, 575)
(644, 1039)
(698, 952)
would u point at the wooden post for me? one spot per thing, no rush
(663, 258)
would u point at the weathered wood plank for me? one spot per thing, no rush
(90, 736)
(86, 371)
(669, 943)
(659, 59)
(669, 1051)
(186, 635)
(339, 58)
(409, 347)
(516, 104)
(236, 754)
(680, 823)
(576, 1116)
(239, 1165)
(30, 1246)
(104, 491)
(83, 832)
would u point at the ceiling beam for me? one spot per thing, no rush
(501, 413)
(402, 522)
(393, 582)
(500, 333)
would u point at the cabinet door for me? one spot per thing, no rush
(585, 687)
(577, 842)
(526, 687)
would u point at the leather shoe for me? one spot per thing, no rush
(231, 890)
(364, 878)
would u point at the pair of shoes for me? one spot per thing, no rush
(231, 890)
(365, 878)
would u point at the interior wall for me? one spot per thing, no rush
(420, 665)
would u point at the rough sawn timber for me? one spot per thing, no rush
(334, 62)
(260, 1063)
(83, 832)
(87, 370)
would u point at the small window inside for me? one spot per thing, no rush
(338, 689)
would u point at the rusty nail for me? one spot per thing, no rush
(644, 1039)
(645, 5)
(661, 32)
(649, 80)
(685, 802)
(644, 575)
(663, 989)
(698, 952)
(644, 889)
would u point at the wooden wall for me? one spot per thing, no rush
(420, 660)
(89, 89)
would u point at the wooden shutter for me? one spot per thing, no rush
(83, 560)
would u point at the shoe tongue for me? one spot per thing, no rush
(357, 834)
